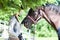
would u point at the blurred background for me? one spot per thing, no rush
(10, 7)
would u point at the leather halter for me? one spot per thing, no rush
(31, 19)
(34, 21)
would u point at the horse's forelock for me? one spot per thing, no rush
(53, 8)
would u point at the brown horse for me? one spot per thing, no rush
(50, 12)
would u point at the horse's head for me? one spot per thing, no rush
(34, 15)
(29, 19)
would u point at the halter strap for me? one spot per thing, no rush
(39, 15)
(31, 19)
(34, 21)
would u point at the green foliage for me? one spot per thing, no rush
(10, 7)
(34, 3)
(43, 29)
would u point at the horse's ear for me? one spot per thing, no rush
(30, 11)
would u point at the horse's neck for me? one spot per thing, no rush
(53, 18)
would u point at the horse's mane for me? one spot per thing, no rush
(54, 7)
